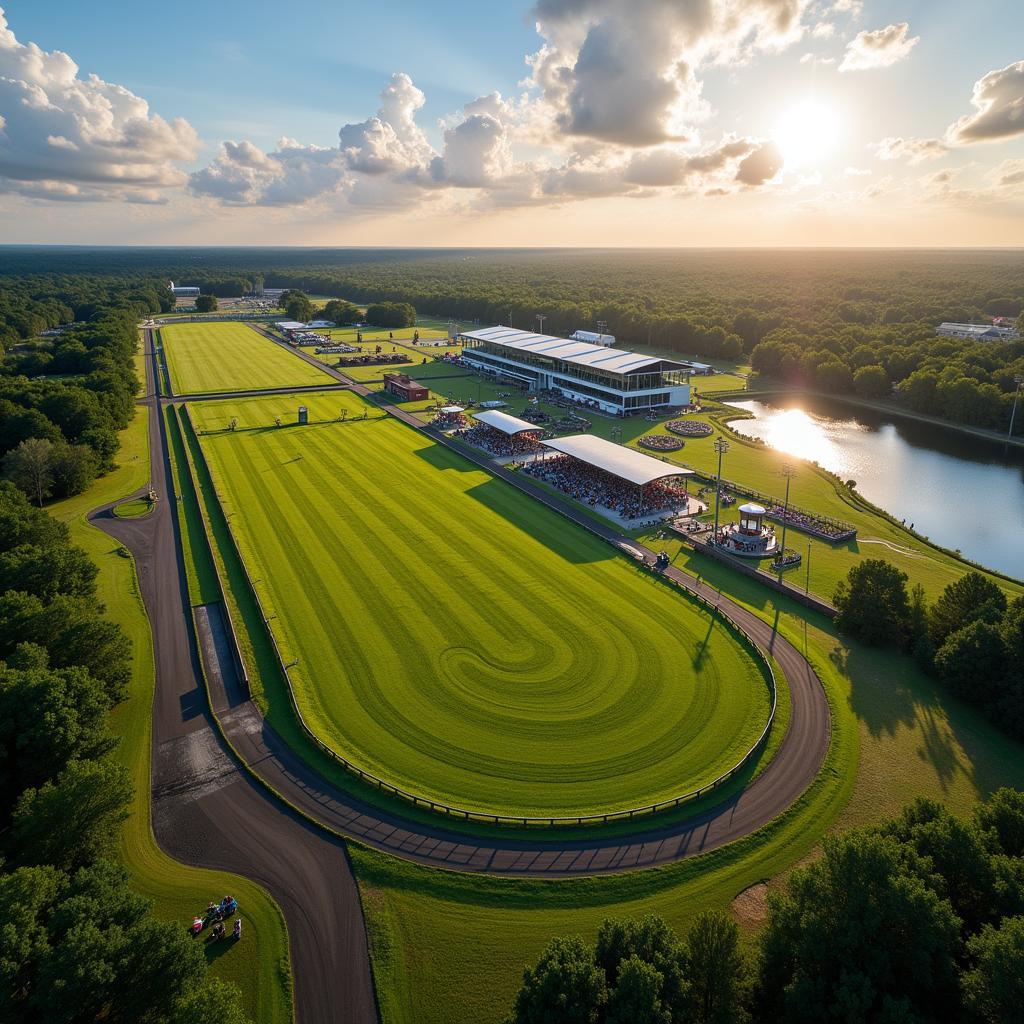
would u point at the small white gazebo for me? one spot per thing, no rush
(750, 537)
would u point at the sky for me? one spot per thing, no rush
(561, 123)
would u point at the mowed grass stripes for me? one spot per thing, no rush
(457, 638)
(208, 358)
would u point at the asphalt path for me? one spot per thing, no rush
(207, 808)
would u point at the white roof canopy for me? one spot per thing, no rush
(505, 423)
(452, 408)
(625, 463)
(582, 353)
(290, 325)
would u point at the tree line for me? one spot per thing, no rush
(76, 942)
(65, 396)
(916, 920)
(971, 639)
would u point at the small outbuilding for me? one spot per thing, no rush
(404, 388)
(303, 414)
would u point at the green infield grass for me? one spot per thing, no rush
(133, 508)
(458, 639)
(209, 358)
(259, 967)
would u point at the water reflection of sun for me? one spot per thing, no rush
(793, 431)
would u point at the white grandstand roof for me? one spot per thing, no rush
(620, 461)
(290, 325)
(505, 423)
(583, 353)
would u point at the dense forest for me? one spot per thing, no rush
(67, 374)
(842, 321)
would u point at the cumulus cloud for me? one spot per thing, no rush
(1009, 174)
(627, 73)
(879, 48)
(477, 153)
(912, 150)
(763, 164)
(392, 140)
(71, 138)
(243, 175)
(999, 101)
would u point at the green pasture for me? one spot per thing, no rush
(208, 358)
(259, 966)
(133, 508)
(456, 638)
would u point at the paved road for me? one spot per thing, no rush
(790, 772)
(208, 810)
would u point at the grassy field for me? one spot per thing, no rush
(260, 966)
(207, 358)
(132, 509)
(498, 660)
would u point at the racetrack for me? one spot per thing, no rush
(210, 810)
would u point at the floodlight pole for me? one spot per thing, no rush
(721, 446)
(541, 317)
(1018, 380)
(807, 585)
(787, 472)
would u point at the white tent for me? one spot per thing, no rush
(617, 459)
(506, 424)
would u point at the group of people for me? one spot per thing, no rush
(494, 442)
(215, 917)
(592, 486)
(819, 526)
(449, 421)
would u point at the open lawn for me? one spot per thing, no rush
(207, 358)
(460, 640)
(259, 966)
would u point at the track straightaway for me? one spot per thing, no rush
(792, 770)
(208, 810)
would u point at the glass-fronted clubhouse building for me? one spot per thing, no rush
(619, 382)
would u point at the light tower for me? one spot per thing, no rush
(541, 317)
(787, 472)
(721, 446)
(1018, 380)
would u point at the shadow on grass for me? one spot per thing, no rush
(567, 540)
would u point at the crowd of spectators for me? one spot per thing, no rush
(660, 443)
(819, 526)
(375, 359)
(496, 443)
(592, 486)
(689, 428)
(450, 421)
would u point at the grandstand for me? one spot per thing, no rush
(608, 380)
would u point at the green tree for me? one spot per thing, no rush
(75, 819)
(299, 307)
(873, 604)
(1002, 816)
(651, 939)
(29, 466)
(972, 597)
(834, 376)
(565, 987)
(216, 1000)
(857, 937)
(716, 973)
(636, 998)
(871, 382)
(206, 304)
(972, 662)
(994, 988)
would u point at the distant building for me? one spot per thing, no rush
(320, 323)
(977, 332)
(609, 379)
(593, 337)
(404, 388)
(184, 292)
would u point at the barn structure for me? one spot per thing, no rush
(404, 388)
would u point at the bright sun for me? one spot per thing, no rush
(806, 133)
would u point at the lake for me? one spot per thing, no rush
(959, 491)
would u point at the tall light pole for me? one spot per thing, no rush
(787, 472)
(601, 325)
(721, 446)
(1018, 380)
(807, 585)
(541, 317)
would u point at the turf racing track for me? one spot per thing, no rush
(210, 810)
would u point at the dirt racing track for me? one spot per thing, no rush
(210, 810)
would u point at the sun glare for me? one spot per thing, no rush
(806, 133)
